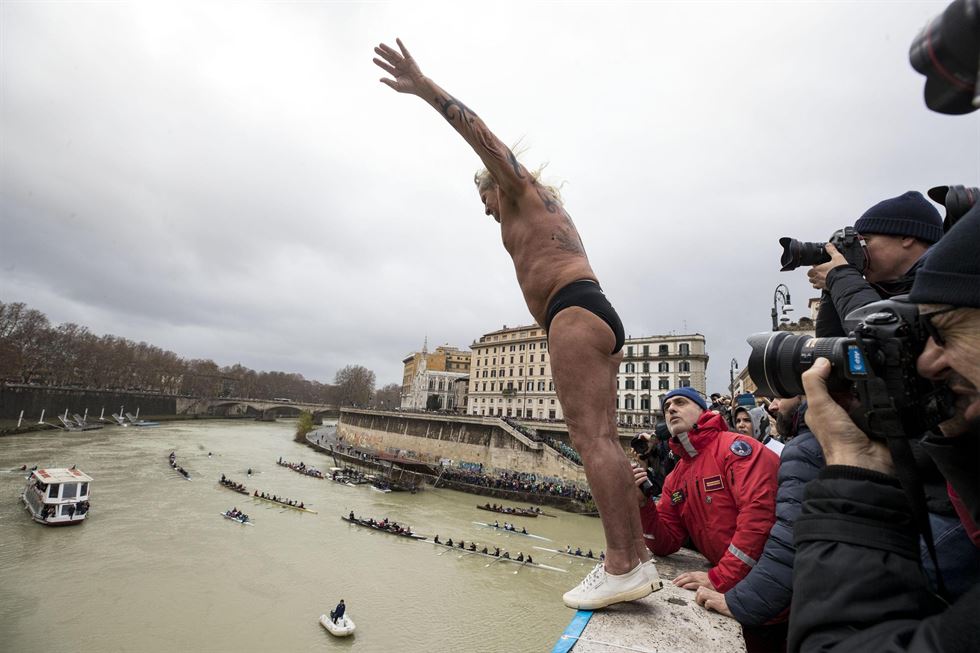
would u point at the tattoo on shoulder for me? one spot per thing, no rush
(452, 108)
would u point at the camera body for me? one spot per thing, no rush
(874, 365)
(847, 241)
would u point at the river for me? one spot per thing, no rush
(156, 568)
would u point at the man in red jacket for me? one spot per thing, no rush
(721, 494)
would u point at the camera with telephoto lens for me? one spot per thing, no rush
(847, 241)
(947, 52)
(875, 365)
(957, 200)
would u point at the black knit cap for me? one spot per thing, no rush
(909, 214)
(951, 272)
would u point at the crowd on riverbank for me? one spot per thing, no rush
(518, 482)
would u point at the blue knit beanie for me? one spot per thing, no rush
(909, 214)
(690, 393)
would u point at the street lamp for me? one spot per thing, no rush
(780, 297)
(731, 376)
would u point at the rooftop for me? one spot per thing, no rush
(57, 475)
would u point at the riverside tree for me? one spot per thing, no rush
(354, 385)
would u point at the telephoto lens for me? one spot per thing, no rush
(779, 359)
(797, 253)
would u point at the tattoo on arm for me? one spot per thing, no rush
(518, 168)
(461, 110)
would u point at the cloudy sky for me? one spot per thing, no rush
(230, 181)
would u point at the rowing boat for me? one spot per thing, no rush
(236, 519)
(283, 505)
(513, 512)
(235, 489)
(365, 524)
(507, 530)
(582, 557)
(536, 565)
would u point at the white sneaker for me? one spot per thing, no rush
(651, 570)
(600, 589)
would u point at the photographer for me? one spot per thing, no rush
(858, 582)
(897, 233)
(653, 451)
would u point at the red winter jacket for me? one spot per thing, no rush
(722, 494)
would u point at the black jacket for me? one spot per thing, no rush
(847, 290)
(766, 591)
(858, 584)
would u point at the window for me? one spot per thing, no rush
(513, 348)
(630, 368)
(53, 491)
(521, 359)
(685, 349)
(663, 384)
(685, 382)
(551, 386)
(646, 367)
(645, 383)
(510, 372)
(69, 491)
(663, 367)
(629, 351)
(551, 414)
(542, 371)
(532, 359)
(532, 345)
(530, 371)
(522, 348)
(629, 402)
(684, 366)
(646, 350)
(511, 360)
(540, 386)
(663, 350)
(645, 402)
(544, 345)
(630, 384)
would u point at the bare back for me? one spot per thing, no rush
(546, 248)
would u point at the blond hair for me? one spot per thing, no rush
(484, 179)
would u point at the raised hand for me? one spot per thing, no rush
(400, 65)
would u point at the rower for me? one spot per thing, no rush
(249, 471)
(436, 539)
(507, 555)
(496, 551)
(351, 515)
(484, 551)
(520, 557)
(529, 560)
(472, 546)
(589, 554)
(578, 551)
(449, 542)
(462, 544)
(523, 530)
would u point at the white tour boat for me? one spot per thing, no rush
(57, 496)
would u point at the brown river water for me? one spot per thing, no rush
(156, 568)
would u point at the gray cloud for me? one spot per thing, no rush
(232, 182)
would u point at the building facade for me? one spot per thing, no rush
(510, 375)
(654, 365)
(430, 379)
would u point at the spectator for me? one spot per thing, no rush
(754, 422)
(721, 494)
(761, 600)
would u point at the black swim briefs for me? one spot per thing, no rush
(588, 295)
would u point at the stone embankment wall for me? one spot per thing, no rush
(430, 437)
(33, 399)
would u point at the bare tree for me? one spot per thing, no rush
(355, 385)
(388, 396)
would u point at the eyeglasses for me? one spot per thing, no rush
(931, 328)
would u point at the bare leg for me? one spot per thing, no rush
(585, 379)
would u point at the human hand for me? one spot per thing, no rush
(711, 600)
(818, 273)
(691, 580)
(639, 478)
(408, 77)
(842, 441)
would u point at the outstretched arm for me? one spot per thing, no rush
(511, 177)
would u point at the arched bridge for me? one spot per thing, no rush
(236, 406)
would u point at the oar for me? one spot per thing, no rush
(520, 567)
(496, 559)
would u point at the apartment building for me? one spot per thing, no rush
(510, 375)
(653, 365)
